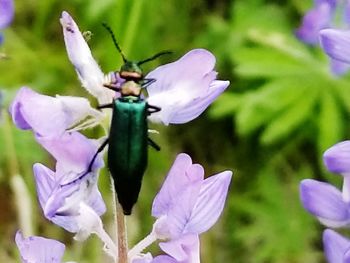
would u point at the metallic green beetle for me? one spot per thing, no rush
(128, 137)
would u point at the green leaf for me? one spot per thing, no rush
(292, 117)
(259, 107)
(225, 105)
(330, 125)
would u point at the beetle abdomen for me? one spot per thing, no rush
(127, 152)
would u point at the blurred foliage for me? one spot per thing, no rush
(283, 109)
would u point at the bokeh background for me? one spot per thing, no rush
(282, 110)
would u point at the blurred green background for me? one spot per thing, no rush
(281, 111)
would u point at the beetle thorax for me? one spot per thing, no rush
(130, 88)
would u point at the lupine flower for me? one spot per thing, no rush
(325, 201)
(317, 23)
(183, 89)
(6, 14)
(336, 43)
(336, 247)
(49, 116)
(39, 250)
(186, 206)
(319, 17)
(61, 193)
(337, 158)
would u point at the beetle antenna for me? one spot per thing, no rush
(114, 40)
(154, 57)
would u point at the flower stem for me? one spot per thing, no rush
(144, 243)
(122, 238)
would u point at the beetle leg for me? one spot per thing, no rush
(104, 106)
(152, 109)
(147, 82)
(100, 149)
(153, 144)
(112, 86)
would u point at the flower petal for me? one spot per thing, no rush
(316, 19)
(337, 158)
(339, 67)
(185, 83)
(184, 249)
(73, 153)
(161, 259)
(335, 246)
(324, 201)
(6, 12)
(210, 203)
(336, 43)
(181, 174)
(46, 115)
(38, 249)
(45, 182)
(85, 65)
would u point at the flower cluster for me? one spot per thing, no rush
(330, 205)
(6, 14)
(186, 206)
(317, 27)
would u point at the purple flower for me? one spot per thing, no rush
(65, 195)
(183, 89)
(6, 14)
(336, 44)
(186, 206)
(325, 202)
(336, 247)
(39, 250)
(80, 55)
(337, 158)
(49, 116)
(316, 19)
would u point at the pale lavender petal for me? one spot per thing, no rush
(73, 152)
(196, 107)
(347, 12)
(64, 203)
(45, 182)
(315, 20)
(185, 83)
(337, 158)
(46, 115)
(95, 201)
(6, 12)
(184, 249)
(194, 65)
(182, 173)
(162, 259)
(335, 246)
(324, 201)
(80, 56)
(180, 212)
(61, 194)
(339, 67)
(336, 44)
(36, 249)
(210, 203)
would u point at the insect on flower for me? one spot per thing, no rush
(178, 92)
(128, 137)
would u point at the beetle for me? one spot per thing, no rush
(128, 137)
